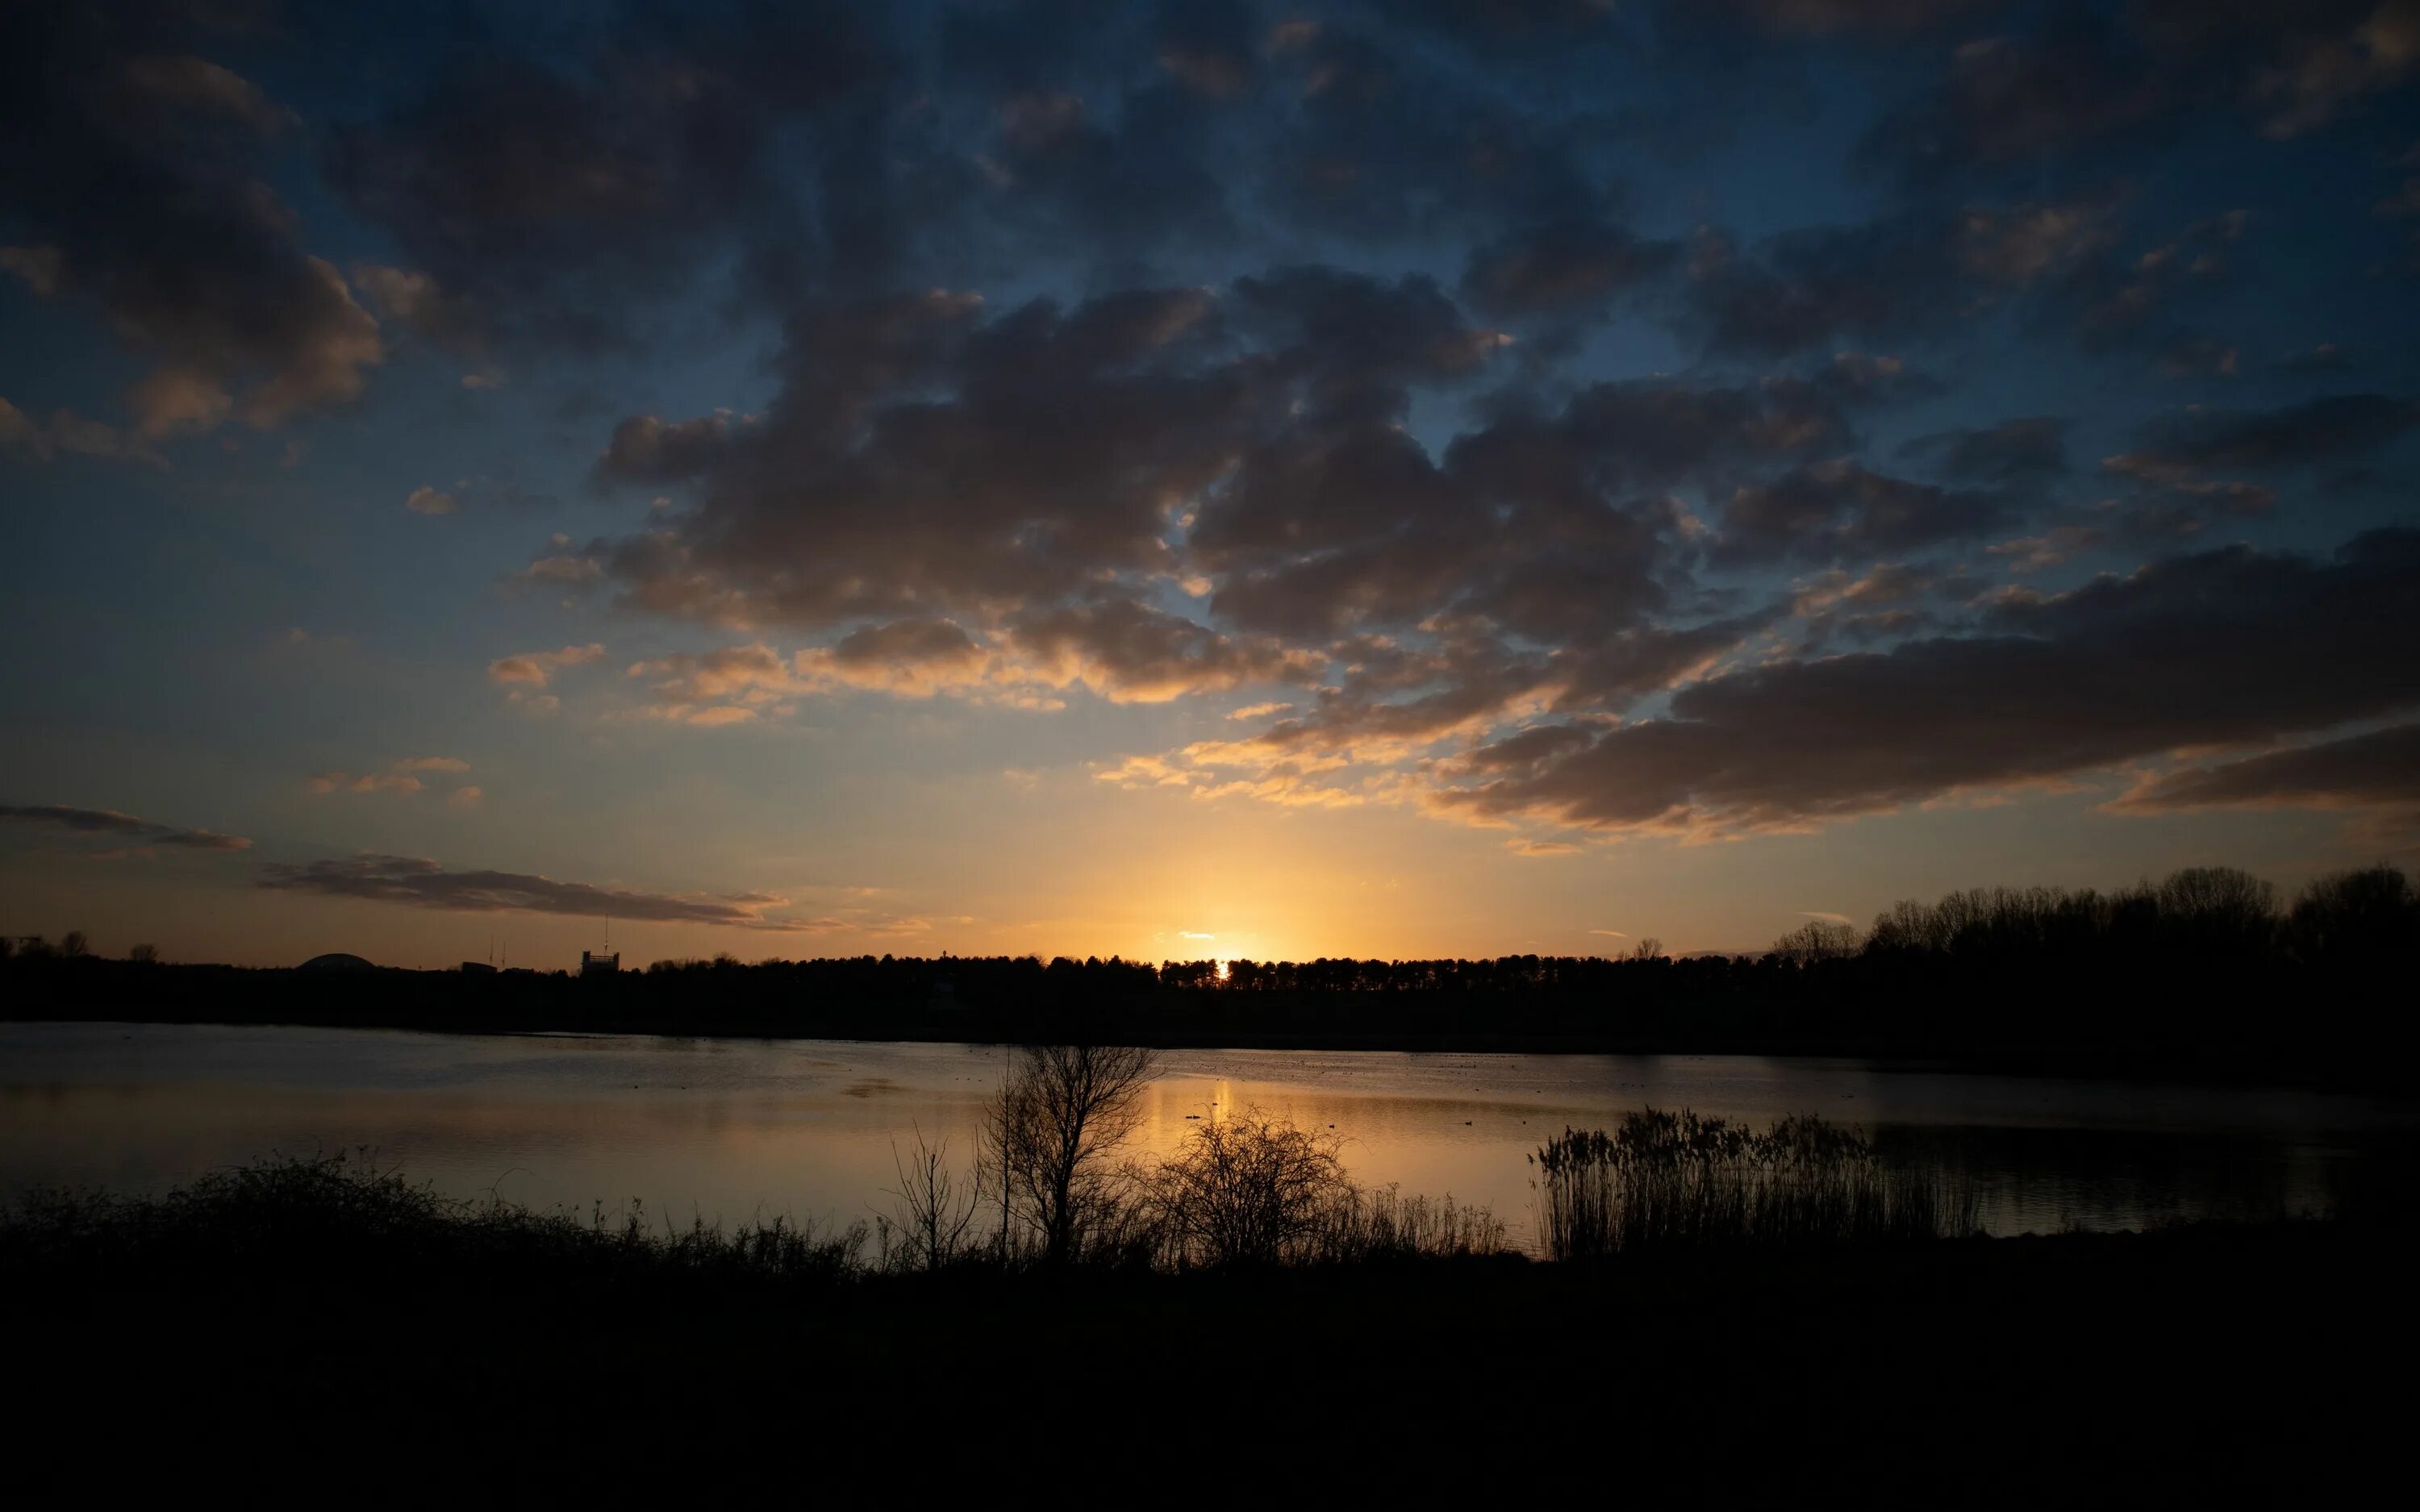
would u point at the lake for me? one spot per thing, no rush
(735, 1129)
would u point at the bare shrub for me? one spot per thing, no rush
(1248, 1191)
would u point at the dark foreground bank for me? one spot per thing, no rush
(344, 1353)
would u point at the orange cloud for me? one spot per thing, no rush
(533, 668)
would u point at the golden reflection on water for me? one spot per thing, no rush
(735, 1129)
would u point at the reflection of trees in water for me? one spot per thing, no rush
(2046, 1179)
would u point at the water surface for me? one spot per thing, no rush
(734, 1129)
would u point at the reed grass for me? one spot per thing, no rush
(1664, 1181)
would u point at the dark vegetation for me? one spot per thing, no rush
(1741, 1318)
(1667, 1181)
(326, 1331)
(2205, 970)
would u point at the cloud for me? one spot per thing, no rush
(399, 776)
(2327, 73)
(188, 254)
(908, 658)
(123, 826)
(428, 500)
(1523, 846)
(2012, 453)
(559, 200)
(2379, 769)
(66, 431)
(1829, 510)
(2054, 547)
(2318, 430)
(533, 668)
(425, 883)
(918, 465)
(194, 84)
(367, 783)
(1561, 267)
(693, 686)
(2221, 647)
(1130, 653)
(413, 301)
(1904, 274)
(19, 432)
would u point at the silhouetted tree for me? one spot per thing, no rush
(1818, 939)
(1061, 1113)
(2362, 917)
(934, 1213)
(73, 945)
(144, 955)
(2219, 909)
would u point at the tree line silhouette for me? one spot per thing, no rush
(2207, 964)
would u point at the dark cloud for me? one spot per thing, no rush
(2012, 101)
(132, 169)
(920, 459)
(123, 827)
(1837, 509)
(918, 462)
(1384, 143)
(2088, 85)
(554, 198)
(1135, 653)
(2315, 431)
(1211, 46)
(2012, 453)
(646, 449)
(1545, 523)
(1901, 275)
(2224, 647)
(424, 884)
(1351, 335)
(910, 641)
(1569, 267)
(2380, 769)
(2152, 298)
(1505, 24)
(1830, 18)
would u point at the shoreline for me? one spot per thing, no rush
(2149, 1065)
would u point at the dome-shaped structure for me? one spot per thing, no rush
(335, 960)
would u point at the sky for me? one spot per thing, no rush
(1211, 480)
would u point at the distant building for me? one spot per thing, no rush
(335, 960)
(478, 968)
(596, 964)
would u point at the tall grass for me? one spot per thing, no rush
(344, 1214)
(1678, 1180)
(347, 1214)
(1366, 1225)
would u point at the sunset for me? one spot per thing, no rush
(1468, 606)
